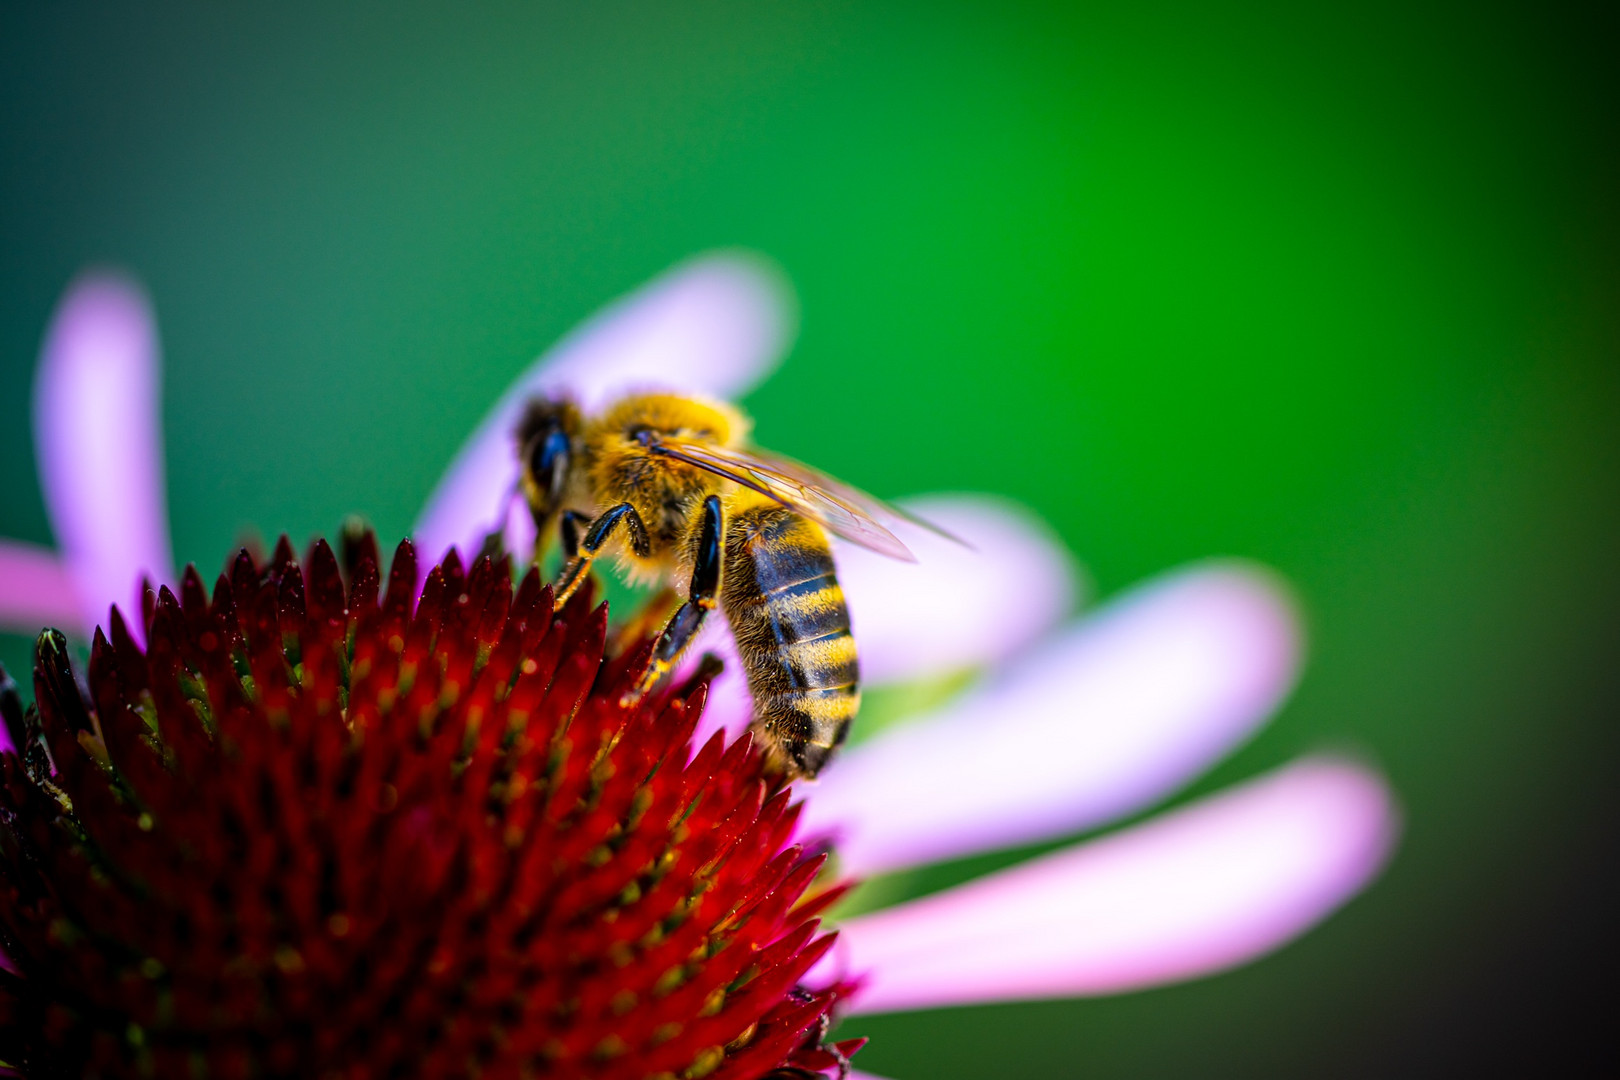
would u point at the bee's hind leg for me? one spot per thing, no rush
(701, 598)
(602, 530)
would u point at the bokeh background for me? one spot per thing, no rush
(1338, 290)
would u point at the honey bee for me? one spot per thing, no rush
(670, 486)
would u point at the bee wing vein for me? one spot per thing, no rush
(846, 511)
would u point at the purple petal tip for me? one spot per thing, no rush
(98, 436)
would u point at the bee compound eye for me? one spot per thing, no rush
(539, 459)
(548, 459)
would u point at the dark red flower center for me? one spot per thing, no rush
(323, 828)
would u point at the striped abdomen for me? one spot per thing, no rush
(792, 628)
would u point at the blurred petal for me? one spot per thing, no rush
(98, 435)
(35, 591)
(956, 606)
(1110, 716)
(1205, 888)
(716, 324)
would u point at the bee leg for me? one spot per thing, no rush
(568, 526)
(601, 531)
(570, 523)
(701, 598)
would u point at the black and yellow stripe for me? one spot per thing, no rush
(787, 612)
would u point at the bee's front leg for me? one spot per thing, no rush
(701, 598)
(569, 523)
(601, 531)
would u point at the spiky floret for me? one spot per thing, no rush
(325, 828)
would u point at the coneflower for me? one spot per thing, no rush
(1007, 721)
(328, 826)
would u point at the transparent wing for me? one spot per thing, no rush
(839, 508)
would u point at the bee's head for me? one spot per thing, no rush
(639, 421)
(623, 463)
(548, 445)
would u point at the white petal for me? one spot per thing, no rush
(956, 606)
(1101, 720)
(36, 591)
(98, 435)
(1208, 887)
(716, 324)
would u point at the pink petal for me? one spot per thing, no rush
(1205, 888)
(36, 591)
(716, 324)
(956, 606)
(1103, 719)
(98, 434)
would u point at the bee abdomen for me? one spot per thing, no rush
(792, 628)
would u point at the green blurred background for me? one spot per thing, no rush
(1332, 290)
